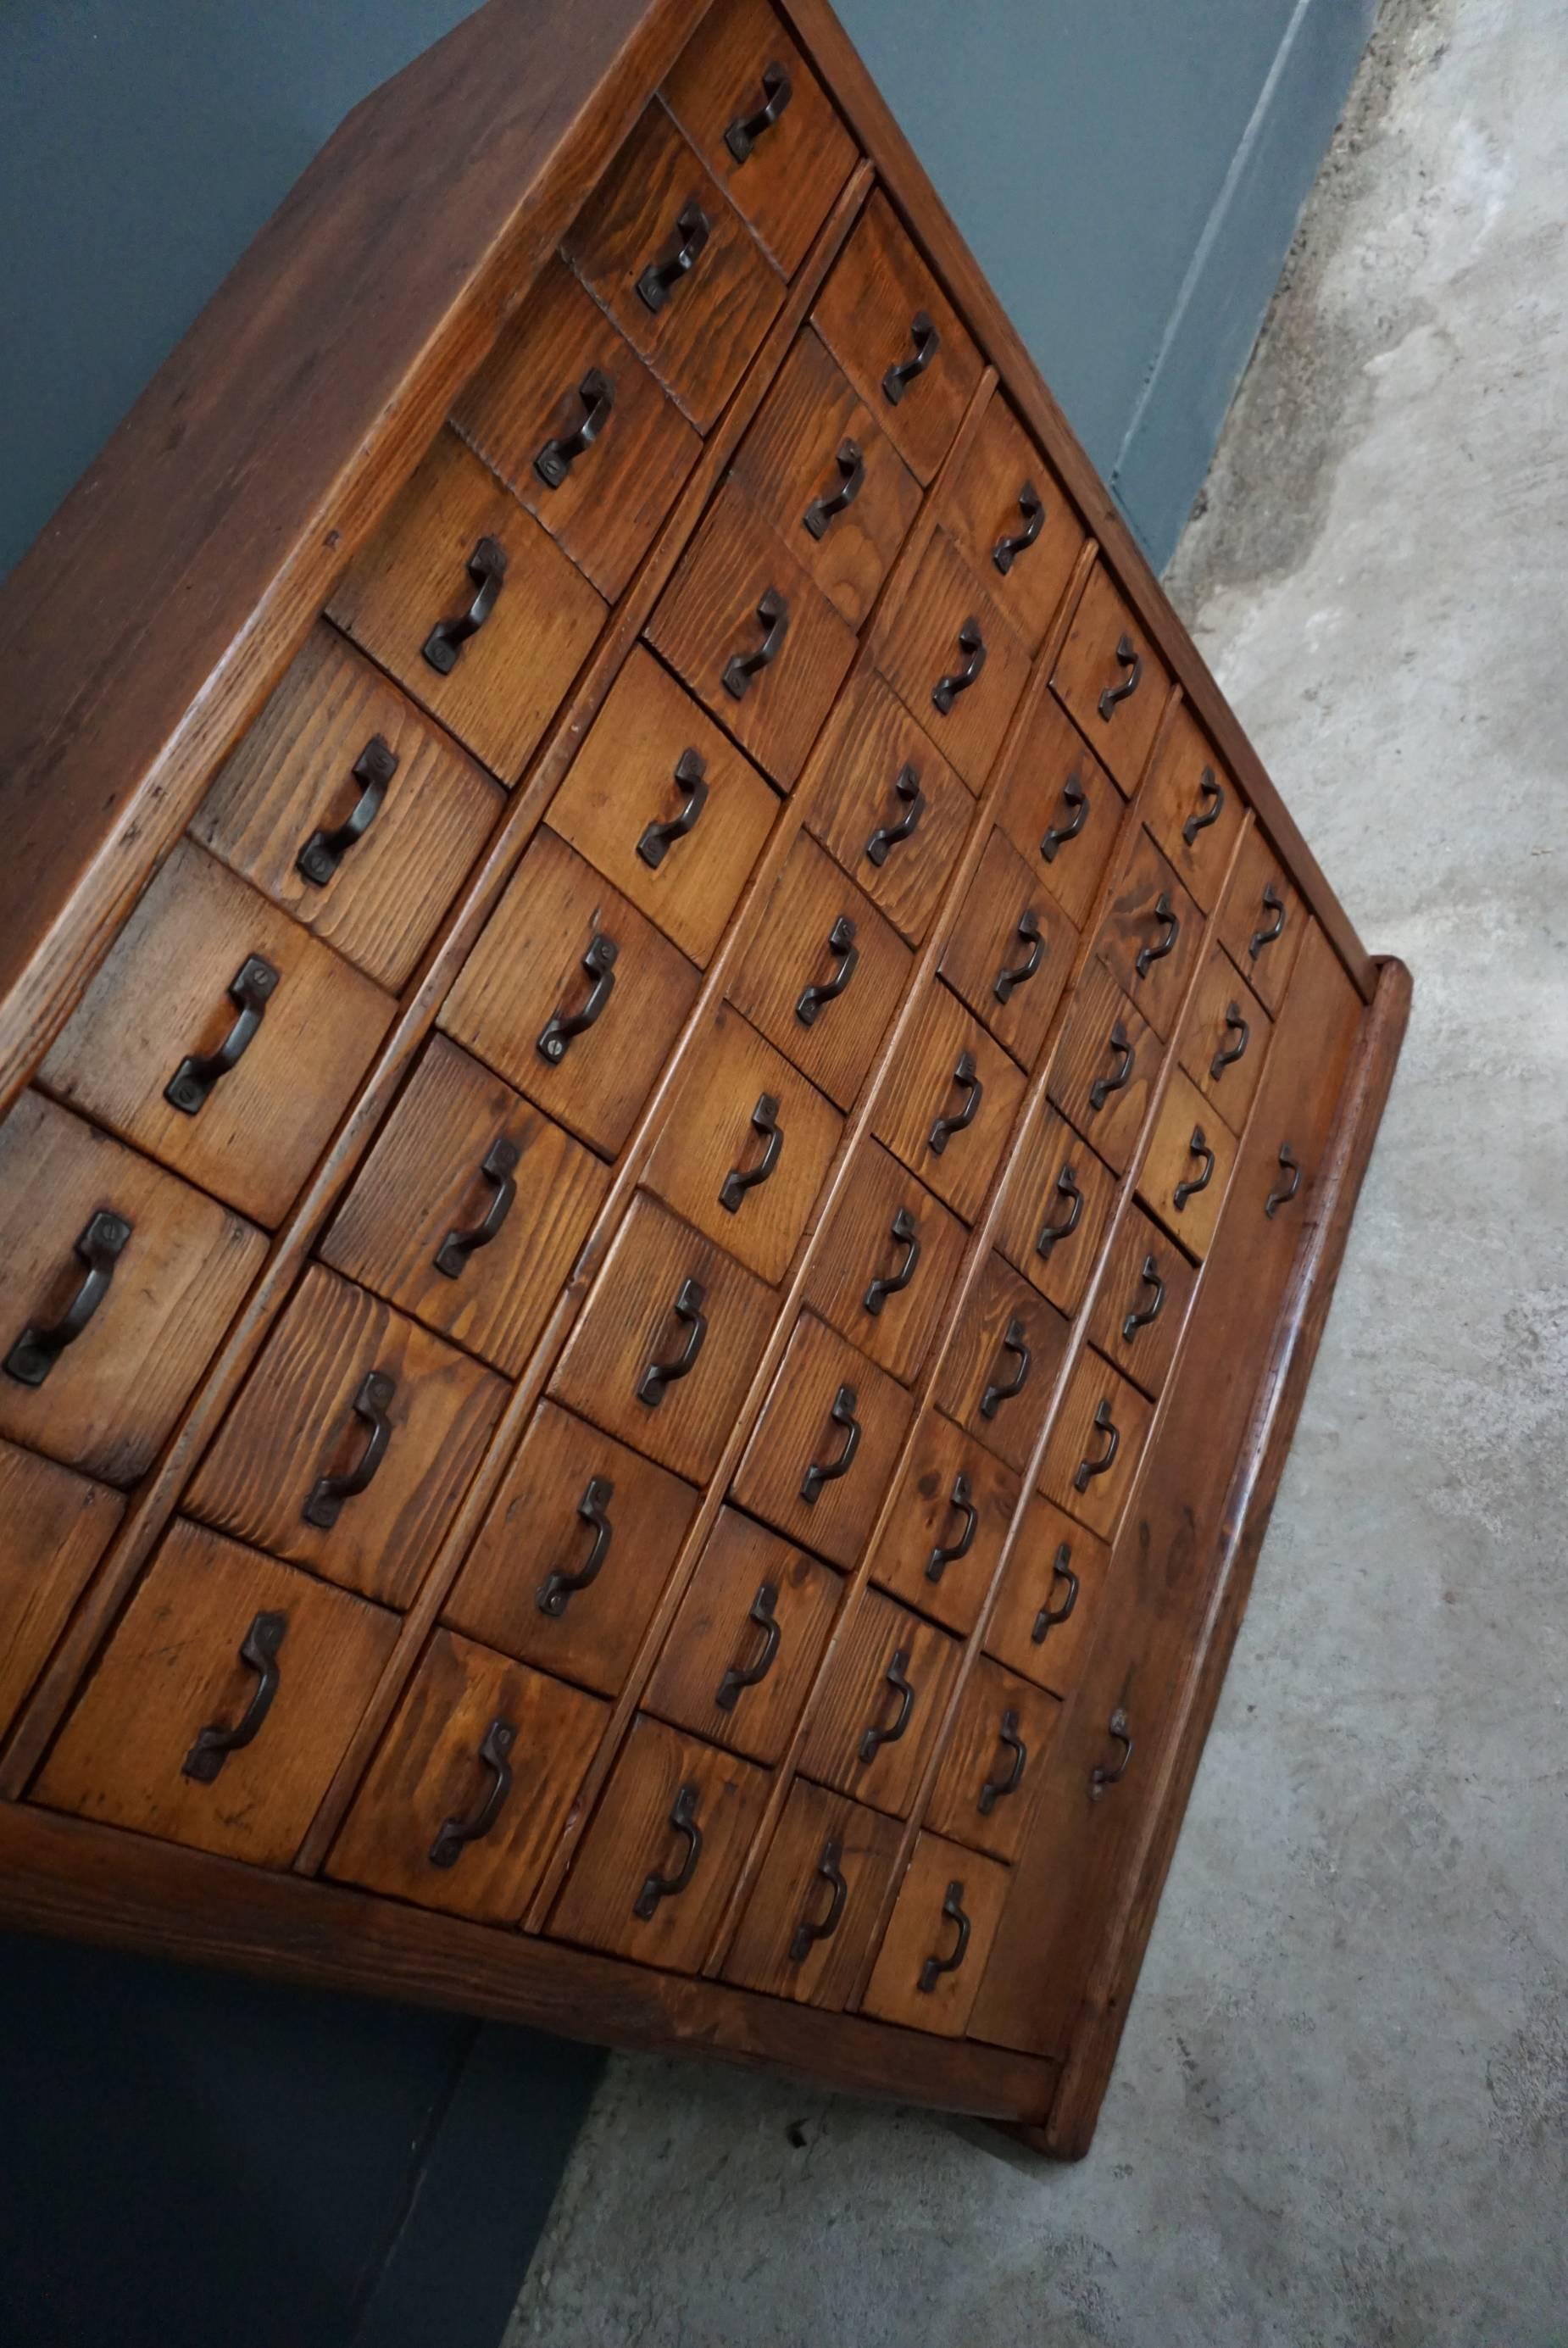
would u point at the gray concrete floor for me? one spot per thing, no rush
(1341, 2111)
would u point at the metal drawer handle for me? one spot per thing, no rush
(1100, 1091)
(773, 611)
(329, 1493)
(762, 1612)
(997, 1789)
(487, 569)
(1099, 1777)
(1198, 1148)
(98, 1250)
(874, 1738)
(683, 1820)
(1015, 1340)
(1273, 903)
(927, 343)
(946, 689)
(1131, 659)
(1146, 1319)
(1277, 1199)
(1236, 1025)
(1088, 1468)
(974, 1092)
(764, 1121)
(842, 945)
(807, 1932)
(960, 1498)
(556, 459)
(842, 1415)
(498, 1166)
(1007, 550)
(1213, 793)
(907, 791)
(1150, 954)
(557, 1033)
(851, 464)
(1067, 1188)
(745, 130)
(660, 278)
(259, 1653)
(495, 1755)
(1050, 1617)
(324, 851)
(1075, 795)
(691, 769)
(1016, 974)
(557, 1588)
(249, 991)
(687, 1310)
(934, 1968)
(902, 1232)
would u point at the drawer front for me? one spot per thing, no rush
(579, 430)
(944, 1534)
(817, 468)
(952, 660)
(888, 1686)
(949, 1102)
(1052, 1598)
(458, 553)
(1261, 921)
(1054, 1210)
(192, 1040)
(808, 1926)
(1224, 1039)
(664, 805)
(1015, 521)
(1113, 683)
(662, 1855)
(54, 1527)
(744, 625)
(884, 1263)
(570, 1560)
(1002, 1363)
(1011, 951)
(1186, 1165)
(1150, 935)
(667, 1344)
(1106, 1061)
(823, 974)
(1192, 805)
(117, 1283)
(822, 1453)
(745, 1146)
(1059, 809)
(571, 996)
(933, 1952)
(886, 805)
(351, 1442)
(743, 1649)
(469, 1210)
(898, 338)
(1142, 1303)
(990, 1773)
(217, 1640)
(347, 808)
(471, 1786)
(1093, 1458)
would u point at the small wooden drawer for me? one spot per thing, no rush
(660, 1859)
(884, 1263)
(1141, 1307)
(1015, 521)
(572, 996)
(54, 1526)
(994, 1762)
(949, 1101)
(887, 1688)
(1150, 935)
(763, 124)
(471, 1786)
(1107, 1058)
(807, 1930)
(195, 1035)
(660, 249)
(1002, 1362)
(886, 805)
(348, 810)
(743, 1649)
(1054, 1209)
(744, 1145)
(746, 626)
(575, 425)
(569, 1565)
(1059, 809)
(945, 1530)
(1261, 921)
(1192, 805)
(117, 1283)
(822, 1453)
(667, 1344)
(952, 660)
(472, 607)
(1011, 951)
(898, 338)
(469, 1210)
(664, 806)
(1224, 1038)
(1048, 1607)
(1097, 1445)
(823, 974)
(1186, 1165)
(1113, 682)
(351, 1442)
(819, 468)
(223, 1705)
(938, 1939)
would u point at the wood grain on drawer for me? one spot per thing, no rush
(879, 1708)
(1010, 950)
(1261, 921)
(1141, 1306)
(1001, 1361)
(1096, 1445)
(822, 1455)
(949, 1101)
(1059, 808)
(1055, 1204)
(1113, 681)
(1052, 1598)
(1187, 1165)
(993, 1761)
(1192, 805)
(1105, 1063)
(885, 804)
(808, 1925)
(951, 659)
(944, 1533)
(55, 1525)
(881, 311)
(938, 1939)
(1150, 935)
(1016, 522)
(884, 1265)
(1224, 1038)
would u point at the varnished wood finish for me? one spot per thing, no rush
(859, 1697)
(980, 1760)
(1002, 1362)
(1080, 1439)
(1187, 1146)
(1003, 475)
(1259, 903)
(1010, 952)
(1050, 782)
(1056, 1185)
(920, 1932)
(809, 1421)
(1091, 675)
(865, 315)
(924, 1517)
(852, 802)
(883, 1214)
(925, 1089)
(1089, 1055)
(1052, 1598)
(1209, 1038)
(793, 1890)
(1192, 806)
(1150, 954)
(1145, 1272)
(54, 1525)
(926, 640)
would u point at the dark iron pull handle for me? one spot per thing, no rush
(1146, 1319)
(1131, 659)
(1007, 550)
(1067, 1188)
(851, 464)
(249, 991)
(1012, 975)
(329, 1493)
(1014, 1341)
(556, 459)
(1214, 795)
(487, 569)
(1236, 1025)
(98, 1250)
(683, 1820)
(997, 1789)
(454, 1834)
(902, 1232)
(691, 769)
(1088, 1468)
(773, 611)
(842, 1415)
(962, 1498)
(807, 1932)
(764, 1121)
(599, 962)
(907, 791)
(1199, 1147)
(259, 1653)
(660, 278)
(1159, 947)
(1099, 1777)
(842, 945)
(1273, 903)
(1050, 1616)
(763, 1612)
(874, 1738)
(556, 1589)
(687, 1309)
(927, 343)
(1277, 1199)
(498, 1165)
(934, 1968)
(1059, 835)
(974, 1092)
(746, 130)
(1100, 1091)
(324, 851)
(946, 689)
